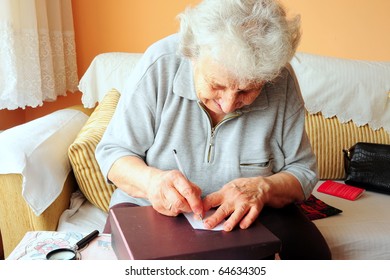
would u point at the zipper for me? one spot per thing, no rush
(211, 144)
(215, 128)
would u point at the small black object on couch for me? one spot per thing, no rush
(367, 165)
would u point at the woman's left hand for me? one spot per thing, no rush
(242, 199)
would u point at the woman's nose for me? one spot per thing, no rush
(229, 102)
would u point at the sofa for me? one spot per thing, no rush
(50, 180)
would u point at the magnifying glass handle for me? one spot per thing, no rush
(83, 242)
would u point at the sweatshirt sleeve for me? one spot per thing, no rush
(131, 130)
(300, 160)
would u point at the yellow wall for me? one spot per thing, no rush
(122, 25)
(356, 29)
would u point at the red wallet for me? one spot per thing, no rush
(340, 190)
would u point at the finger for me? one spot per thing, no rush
(250, 217)
(219, 216)
(237, 215)
(174, 202)
(212, 200)
(191, 193)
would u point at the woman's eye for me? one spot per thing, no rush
(213, 87)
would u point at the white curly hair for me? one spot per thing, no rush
(252, 39)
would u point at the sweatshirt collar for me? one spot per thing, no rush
(183, 84)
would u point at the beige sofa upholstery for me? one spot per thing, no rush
(16, 217)
(327, 135)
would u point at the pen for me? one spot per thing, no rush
(182, 171)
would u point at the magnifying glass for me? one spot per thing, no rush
(71, 253)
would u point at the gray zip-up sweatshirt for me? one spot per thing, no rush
(160, 112)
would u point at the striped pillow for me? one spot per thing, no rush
(82, 153)
(328, 138)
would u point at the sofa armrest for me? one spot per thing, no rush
(17, 218)
(33, 190)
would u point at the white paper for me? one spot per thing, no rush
(198, 224)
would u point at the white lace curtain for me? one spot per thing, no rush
(37, 52)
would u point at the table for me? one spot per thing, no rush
(36, 244)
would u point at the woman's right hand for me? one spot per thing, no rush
(169, 191)
(171, 194)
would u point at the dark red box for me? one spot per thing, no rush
(141, 233)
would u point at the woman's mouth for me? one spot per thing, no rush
(218, 105)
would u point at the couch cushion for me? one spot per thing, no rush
(82, 153)
(329, 137)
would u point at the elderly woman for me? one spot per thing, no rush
(219, 93)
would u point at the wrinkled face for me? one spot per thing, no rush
(219, 91)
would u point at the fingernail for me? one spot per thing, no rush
(244, 226)
(227, 227)
(198, 211)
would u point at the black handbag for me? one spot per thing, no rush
(367, 165)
